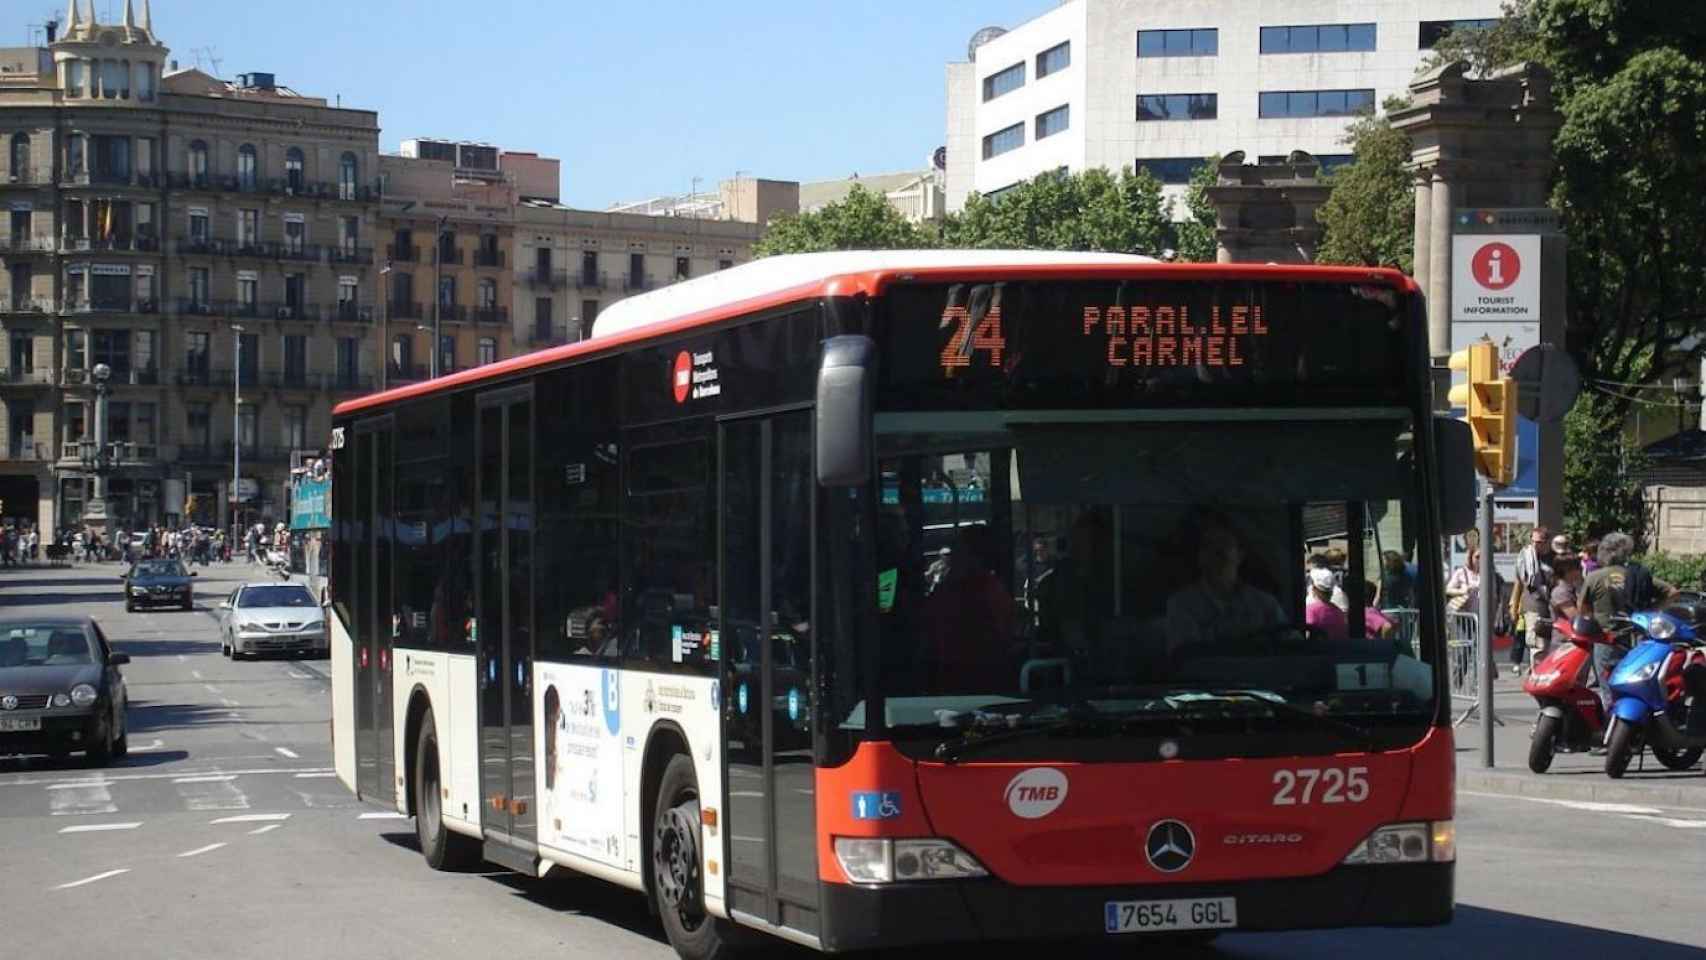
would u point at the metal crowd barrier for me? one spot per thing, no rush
(1462, 634)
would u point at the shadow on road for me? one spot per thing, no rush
(39, 583)
(148, 716)
(164, 648)
(18, 599)
(41, 762)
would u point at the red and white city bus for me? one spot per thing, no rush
(871, 599)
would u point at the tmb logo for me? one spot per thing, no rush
(681, 376)
(1036, 792)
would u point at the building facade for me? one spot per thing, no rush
(1107, 83)
(164, 223)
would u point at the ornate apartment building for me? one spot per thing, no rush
(164, 222)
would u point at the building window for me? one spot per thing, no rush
(295, 293)
(1314, 103)
(1053, 121)
(636, 271)
(1003, 141)
(589, 267)
(115, 79)
(1319, 38)
(347, 177)
(349, 350)
(1178, 106)
(144, 344)
(683, 269)
(1054, 59)
(20, 156)
(295, 237)
(1328, 161)
(446, 354)
(248, 167)
(23, 352)
(1201, 42)
(198, 288)
(196, 351)
(147, 418)
(74, 147)
(198, 229)
(145, 82)
(1005, 81)
(246, 299)
(349, 233)
(589, 313)
(1171, 169)
(198, 418)
(246, 421)
(112, 347)
(73, 78)
(347, 287)
(295, 357)
(1432, 31)
(198, 163)
(293, 172)
(249, 350)
(76, 350)
(446, 291)
(145, 294)
(542, 318)
(402, 355)
(486, 295)
(724, 263)
(248, 228)
(118, 421)
(295, 427)
(488, 350)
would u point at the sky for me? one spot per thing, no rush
(636, 98)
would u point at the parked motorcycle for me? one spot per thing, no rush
(1659, 692)
(1571, 715)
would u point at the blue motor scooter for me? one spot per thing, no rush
(1659, 693)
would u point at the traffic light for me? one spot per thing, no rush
(1489, 404)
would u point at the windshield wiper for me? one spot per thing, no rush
(1355, 734)
(1077, 721)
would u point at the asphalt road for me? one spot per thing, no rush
(224, 835)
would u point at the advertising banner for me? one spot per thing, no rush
(311, 504)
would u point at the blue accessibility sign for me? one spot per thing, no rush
(875, 805)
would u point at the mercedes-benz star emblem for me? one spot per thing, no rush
(1169, 846)
(8, 702)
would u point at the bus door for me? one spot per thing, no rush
(768, 508)
(504, 617)
(376, 764)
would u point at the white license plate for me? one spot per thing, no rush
(1144, 916)
(19, 724)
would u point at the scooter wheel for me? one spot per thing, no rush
(1619, 748)
(1544, 744)
(1678, 759)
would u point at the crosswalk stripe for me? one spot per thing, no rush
(98, 876)
(198, 851)
(252, 818)
(100, 827)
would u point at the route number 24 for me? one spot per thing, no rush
(1294, 787)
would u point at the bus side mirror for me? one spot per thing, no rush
(1456, 474)
(846, 378)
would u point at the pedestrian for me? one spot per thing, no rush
(1611, 589)
(1397, 587)
(1531, 595)
(1566, 589)
(1590, 555)
(1319, 611)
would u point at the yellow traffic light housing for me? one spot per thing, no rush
(1489, 404)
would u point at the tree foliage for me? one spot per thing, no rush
(862, 220)
(1196, 242)
(1370, 217)
(1602, 490)
(1092, 210)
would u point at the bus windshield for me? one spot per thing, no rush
(1239, 575)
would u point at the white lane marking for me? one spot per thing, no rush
(746, 793)
(1673, 822)
(77, 784)
(124, 777)
(215, 793)
(98, 876)
(99, 827)
(252, 818)
(198, 851)
(181, 658)
(150, 745)
(300, 676)
(382, 815)
(287, 752)
(316, 775)
(227, 701)
(207, 778)
(196, 674)
(270, 826)
(79, 799)
(736, 836)
(1595, 807)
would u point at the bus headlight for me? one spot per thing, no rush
(882, 860)
(1434, 842)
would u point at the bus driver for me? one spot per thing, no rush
(1218, 606)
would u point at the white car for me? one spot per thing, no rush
(272, 617)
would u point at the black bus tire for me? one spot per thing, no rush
(443, 848)
(1544, 744)
(677, 882)
(1619, 748)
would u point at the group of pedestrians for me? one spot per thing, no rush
(19, 544)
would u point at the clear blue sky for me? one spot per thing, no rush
(636, 98)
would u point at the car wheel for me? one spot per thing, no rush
(101, 753)
(443, 848)
(129, 607)
(189, 603)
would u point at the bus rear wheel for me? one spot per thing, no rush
(443, 848)
(677, 887)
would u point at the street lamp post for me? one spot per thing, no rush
(236, 420)
(97, 459)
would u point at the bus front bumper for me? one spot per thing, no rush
(909, 914)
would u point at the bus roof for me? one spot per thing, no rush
(773, 281)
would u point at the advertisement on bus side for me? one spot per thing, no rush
(581, 761)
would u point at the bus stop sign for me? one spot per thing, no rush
(1547, 383)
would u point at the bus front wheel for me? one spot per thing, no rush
(677, 881)
(443, 849)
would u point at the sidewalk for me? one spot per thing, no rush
(1572, 776)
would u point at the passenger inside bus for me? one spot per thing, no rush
(1219, 605)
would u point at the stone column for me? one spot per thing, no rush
(1421, 245)
(1439, 267)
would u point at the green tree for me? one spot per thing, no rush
(862, 220)
(1196, 242)
(1093, 210)
(1370, 217)
(1602, 491)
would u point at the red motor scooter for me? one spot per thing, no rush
(1571, 714)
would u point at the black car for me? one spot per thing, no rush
(61, 690)
(158, 583)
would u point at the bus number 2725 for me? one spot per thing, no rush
(1294, 787)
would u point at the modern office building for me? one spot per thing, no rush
(1106, 83)
(161, 221)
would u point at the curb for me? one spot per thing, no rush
(1668, 793)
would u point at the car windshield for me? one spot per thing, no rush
(44, 645)
(284, 595)
(1262, 572)
(159, 568)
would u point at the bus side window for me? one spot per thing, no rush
(578, 483)
(669, 550)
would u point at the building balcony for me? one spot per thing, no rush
(404, 310)
(451, 255)
(289, 380)
(361, 256)
(221, 247)
(121, 243)
(22, 243)
(544, 278)
(221, 453)
(588, 280)
(36, 377)
(26, 450)
(298, 252)
(29, 305)
(638, 283)
(351, 312)
(396, 374)
(402, 254)
(104, 178)
(542, 337)
(197, 307)
(27, 177)
(488, 258)
(97, 305)
(453, 313)
(493, 315)
(203, 377)
(349, 383)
